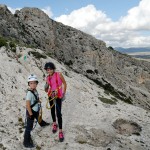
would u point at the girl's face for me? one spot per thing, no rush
(50, 71)
(33, 84)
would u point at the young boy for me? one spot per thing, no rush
(53, 87)
(32, 110)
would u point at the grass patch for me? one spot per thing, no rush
(20, 130)
(49, 54)
(21, 123)
(2, 147)
(127, 100)
(37, 55)
(113, 98)
(81, 139)
(3, 41)
(107, 92)
(81, 142)
(20, 119)
(30, 46)
(12, 46)
(107, 101)
(38, 147)
(19, 55)
(111, 90)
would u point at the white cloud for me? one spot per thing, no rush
(13, 9)
(48, 11)
(125, 32)
(84, 18)
(138, 17)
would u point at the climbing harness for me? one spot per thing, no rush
(52, 97)
(39, 120)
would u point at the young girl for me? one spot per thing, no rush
(53, 87)
(32, 110)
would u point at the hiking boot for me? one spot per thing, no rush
(43, 124)
(31, 141)
(54, 128)
(61, 136)
(28, 144)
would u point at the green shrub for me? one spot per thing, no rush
(110, 48)
(114, 99)
(20, 119)
(37, 55)
(19, 55)
(3, 42)
(12, 46)
(107, 101)
(38, 147)
(49, 54)
(2, 147)
(21, 123)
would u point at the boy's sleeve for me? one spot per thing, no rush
(28, 96)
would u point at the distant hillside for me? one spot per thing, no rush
(142, 56)
(133, 49)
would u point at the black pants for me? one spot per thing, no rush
(29, 125)
(57, 106)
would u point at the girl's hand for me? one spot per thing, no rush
(64, 94)
(46, 87)
(40, 100)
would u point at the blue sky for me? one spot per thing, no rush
(113, 8)
(124, 23)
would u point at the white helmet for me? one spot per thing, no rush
(32, 77)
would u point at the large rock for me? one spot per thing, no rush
(121, 75)
(8, 25)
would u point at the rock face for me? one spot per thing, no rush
(119, 74)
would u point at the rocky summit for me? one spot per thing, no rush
(108, 101)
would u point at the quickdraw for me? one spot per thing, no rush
(40, 114)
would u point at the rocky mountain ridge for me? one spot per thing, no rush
(119, 74)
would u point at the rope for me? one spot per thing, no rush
(49, 100)
(54, 103)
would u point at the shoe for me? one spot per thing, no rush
(28, 144)
(31, 141)
(54, 128)
(43, 124)
(61, 136)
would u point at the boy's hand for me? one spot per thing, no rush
(31, 117)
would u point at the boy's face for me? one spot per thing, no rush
(33, 84)
(50, 71)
